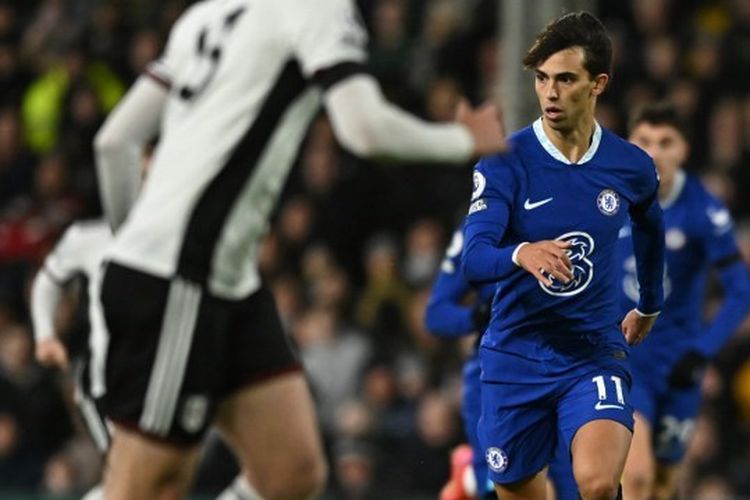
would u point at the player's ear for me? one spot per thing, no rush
(600, 83)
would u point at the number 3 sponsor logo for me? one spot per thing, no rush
(582, 245)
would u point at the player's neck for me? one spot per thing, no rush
(665, 190)
(670, 187)
(574, 142)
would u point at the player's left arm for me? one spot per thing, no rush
(648, 247)
(721, 248)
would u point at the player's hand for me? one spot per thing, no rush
(635, 327)
(546, 260)
(51, 352)
(484, 125)
(688, 371)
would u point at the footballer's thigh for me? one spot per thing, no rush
(273, 430)
(268, 416)
(599, 450)
(596, 418)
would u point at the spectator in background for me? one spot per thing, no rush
(382, 307)
(333, 356)
(44, 101)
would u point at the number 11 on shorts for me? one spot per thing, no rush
(601, 388)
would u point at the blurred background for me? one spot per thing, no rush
(354, 246)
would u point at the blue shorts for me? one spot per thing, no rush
(470, 412)
(671, 413)
(521, 423)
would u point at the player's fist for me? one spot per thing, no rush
(484, 126)
(51, 352)
(636, 326)
(546, 260)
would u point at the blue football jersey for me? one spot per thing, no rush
(699, 235)
(533, 193)
(446, 314)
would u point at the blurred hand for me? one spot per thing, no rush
(51, 352)
(485, 127)
(635, 327)
(546, 258)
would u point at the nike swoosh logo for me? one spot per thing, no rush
(528, 205)
(600, 406)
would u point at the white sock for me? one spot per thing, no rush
(95, 493)
(240, 489)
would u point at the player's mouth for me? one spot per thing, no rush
(553, 113)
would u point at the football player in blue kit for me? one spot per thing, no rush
(668, 366)
(543, 224)
(449, 316)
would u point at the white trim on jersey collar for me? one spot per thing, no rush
(677, 187)
(556, 154)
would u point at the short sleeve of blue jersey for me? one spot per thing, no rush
(492, 200)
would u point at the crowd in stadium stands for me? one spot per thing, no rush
(354, 247)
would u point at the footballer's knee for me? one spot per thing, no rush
(638, 482)
(305, 477)
(597, 486)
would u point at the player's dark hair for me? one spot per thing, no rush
(659, 113)
(575, 29)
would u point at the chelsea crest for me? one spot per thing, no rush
(608, 202)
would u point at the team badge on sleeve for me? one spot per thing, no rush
(608, 202)
(720, 219)
(479, 184)
(496, 459)
(477, 206)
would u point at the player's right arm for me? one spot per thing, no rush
(47, 289)
(484, 258)
(330, 41)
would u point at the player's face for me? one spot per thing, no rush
(565, 89)
(665, 144)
